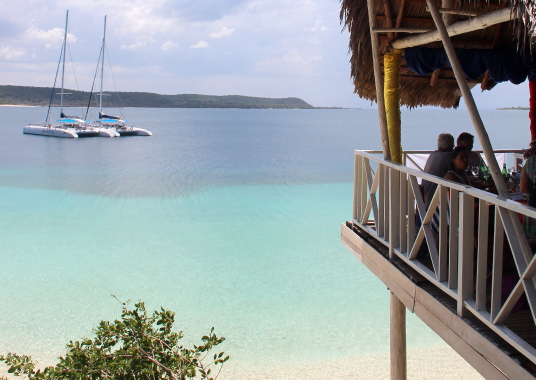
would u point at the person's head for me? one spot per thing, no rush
(445, 142)
(533, 146)
(465, 139)
(459, 159)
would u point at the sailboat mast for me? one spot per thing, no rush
(63, 66)
(102, 64)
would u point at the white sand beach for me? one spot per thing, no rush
(433, 363)
(437, 363)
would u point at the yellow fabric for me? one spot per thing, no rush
(391, 92)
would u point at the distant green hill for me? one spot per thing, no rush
(40, 96)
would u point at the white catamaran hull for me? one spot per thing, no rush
(94, 132)
(49, 131)
(132, 131)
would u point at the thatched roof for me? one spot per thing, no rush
(416, 90)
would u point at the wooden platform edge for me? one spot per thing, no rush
(478, 351)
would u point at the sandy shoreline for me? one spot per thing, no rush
(436, 362)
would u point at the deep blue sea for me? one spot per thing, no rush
(230, 218)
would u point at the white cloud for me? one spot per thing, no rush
(223, 32)
(292, 63)
(50, 37)
(7, 53)
(135, 45)
(168, 45)
(199, 45)
(318, 27)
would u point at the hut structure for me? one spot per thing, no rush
(471, 277)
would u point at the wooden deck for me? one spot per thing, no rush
(484, 349)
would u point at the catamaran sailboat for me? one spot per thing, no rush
(115, 124)
(68, 126)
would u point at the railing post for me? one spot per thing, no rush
(453, 239)
(394, 210)
(466, 249)
(411, 216)
(443, 246)
(357, 191)
(404, 223)
(496, 280)
(482, 255)
(380, 227)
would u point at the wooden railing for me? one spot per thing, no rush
(465, 259)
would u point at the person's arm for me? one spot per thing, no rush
(452, 177)
(524, 184)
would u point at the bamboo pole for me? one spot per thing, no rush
(398, 339)
(391, 65)
(378, 78)
(461, 27)
(469, 100)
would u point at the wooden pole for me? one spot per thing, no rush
(469, 100)
(448, 18)
(378, 78)
(398, 339)
(461, 27)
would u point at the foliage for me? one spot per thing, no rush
(137, 346)
(40, 96)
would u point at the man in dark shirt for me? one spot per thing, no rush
(437, 164)
(467, 140)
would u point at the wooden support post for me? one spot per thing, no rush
(378, 78)
(468, 97)
(391, 65)
(448, 18)
(398, 339)
(388, 18)
(400, 15)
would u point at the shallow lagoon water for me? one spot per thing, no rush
(228, 217)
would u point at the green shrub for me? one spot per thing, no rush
(137, 346)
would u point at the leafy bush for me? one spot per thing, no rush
(137, 346)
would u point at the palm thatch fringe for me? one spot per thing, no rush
(416, 91)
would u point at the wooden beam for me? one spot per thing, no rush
(473, 3)
(456, 43)
(461, 12)
(427, 79)
(400, 15)
(400, 30)
(378, 80)
(405, 20)
(456, 29)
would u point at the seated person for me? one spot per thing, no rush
(467, 140)
(458, 166)
(531, 151)
(437, 164)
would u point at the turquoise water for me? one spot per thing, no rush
(230, 218)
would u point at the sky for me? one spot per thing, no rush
(266, 48)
